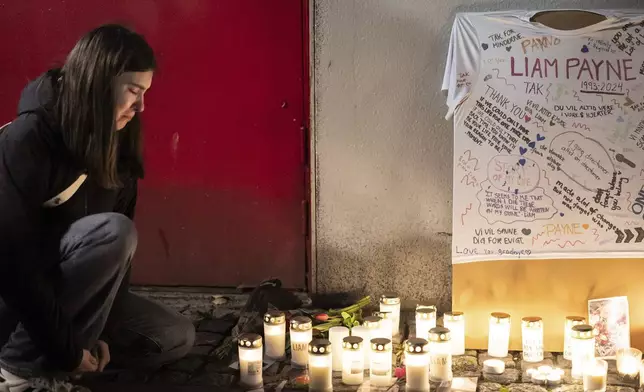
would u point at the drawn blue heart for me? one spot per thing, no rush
(484, 46)
(531, 144)
(522, 150)
(584, 49)
(561, 214)
(620, 119)
(522, 161)
(540, 138)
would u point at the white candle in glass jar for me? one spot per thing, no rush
(250, 360)
(352, 360)
(386, 327)
(391, 303)
(628, 361)
(275, 334)
(570, 322)
(372, 324)
(363, 332)
(440, 355)
(381, 362)
(425, 320)
(532, 339)
(494, 366)
(320, 366)
(301, 334)
(455, 322)
(417, 365)
(595, 374)
(336, 335)
(583, 348)
(499, 335)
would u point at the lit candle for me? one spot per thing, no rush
(628, 361)
(275, 334)
(595, 373)
(250, 360)
(532, 338)
(372, 324)
(583, 348)
(642, 375)
(545, 375)
(363, 332)
(440, 355)
(493, 366)
(391, 303)
(455, 322)
(425, 320)
(571, 321)
(336, 335)
(499, 335)
(386, 326)
(553, 379)
(301, 335)
(380, 369)
(539, 378)
(417, 365)
(352, 360)
(320, 366)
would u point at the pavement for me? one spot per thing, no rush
(201, 371)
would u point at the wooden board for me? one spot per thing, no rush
(552, 289)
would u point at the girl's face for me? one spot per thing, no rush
(130, 87)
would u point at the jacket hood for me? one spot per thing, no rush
(39, 94)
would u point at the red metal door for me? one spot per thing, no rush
(222, 202)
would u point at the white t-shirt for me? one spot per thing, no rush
(549, 137)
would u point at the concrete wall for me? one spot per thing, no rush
(383, 151)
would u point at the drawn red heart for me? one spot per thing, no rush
(527, 118)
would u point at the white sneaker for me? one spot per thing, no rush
(12, 383)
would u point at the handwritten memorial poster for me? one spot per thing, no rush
(549, 137)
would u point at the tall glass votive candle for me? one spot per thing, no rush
(363, 332)
(301, 335)
(275, 334)
(455, 322)
(417, 365)
(595, 375)
(571, 321)
(440, 355)
(336, 336)
(583, 348)
(532, 338)
(391, 303)
(386, 326)
(250, 361)
(380, 369)
(320, 366)
(425, 320)
(372, 324)
(352, 360)
(499, 335)
(628, 362)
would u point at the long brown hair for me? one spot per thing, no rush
(85, 106)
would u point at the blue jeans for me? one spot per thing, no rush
(92, 283)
